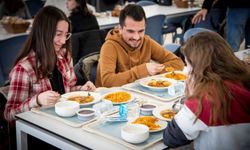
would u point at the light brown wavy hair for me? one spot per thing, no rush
(213, 63)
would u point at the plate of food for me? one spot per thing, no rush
(153, 123)
(118, 97)
(157, 83)
(82, 97)
(176, 75)
(164, 113)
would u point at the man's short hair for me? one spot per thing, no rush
(134, 11)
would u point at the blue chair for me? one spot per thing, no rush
(154, 27)
(9, 49)
(165, 29)
(34, 6)
(171, 47)
(193, 31)
(145, 3)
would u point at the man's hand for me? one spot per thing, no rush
(154, 68)
(201, 15)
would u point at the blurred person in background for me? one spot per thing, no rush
(61, 5)
(14, 8)
(237, 20)
(81, 18)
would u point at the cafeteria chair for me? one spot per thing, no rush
(34, 6)
(86, 42)
(154, 28)
(193, 31)
(171, 47)
(85, 51)
(145, 3)
(9, 49)
(165, 29)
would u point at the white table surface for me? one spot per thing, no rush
(66, 137)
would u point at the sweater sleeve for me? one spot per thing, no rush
(108, 64)
(183, 128)
(173, 136)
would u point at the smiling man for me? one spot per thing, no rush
(127, 53)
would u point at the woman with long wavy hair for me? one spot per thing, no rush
(216, 114)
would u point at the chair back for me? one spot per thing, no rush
(34, 6)
(193, 31)
(9, 49)
(145, 3)
(85, 51)
(84, 43)
(154, 27)
(171, 47)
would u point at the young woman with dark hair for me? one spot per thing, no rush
(44, 68)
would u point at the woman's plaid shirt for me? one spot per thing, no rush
(24, 85)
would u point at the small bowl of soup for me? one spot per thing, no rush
(146, 109)
(86, 114)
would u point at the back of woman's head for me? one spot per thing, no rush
(209, 54)
(212, 63)
(41, 37)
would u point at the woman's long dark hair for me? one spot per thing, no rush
(82, 7)
(40, 40)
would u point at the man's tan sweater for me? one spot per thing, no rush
(120, 64)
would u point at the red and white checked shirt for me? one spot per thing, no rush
(24, 85)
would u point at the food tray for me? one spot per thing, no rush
(112, 131)
(160, 95)
(71, 121)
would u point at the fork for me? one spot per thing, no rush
(178, 104)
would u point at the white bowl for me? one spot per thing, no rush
(146, 81)
(146, 109)
(86, 114)
(66, 108)
(135, 133)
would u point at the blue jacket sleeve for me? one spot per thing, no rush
(173, 136)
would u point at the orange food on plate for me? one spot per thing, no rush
(176, 76)
(148, 121)
(159, 83)
(168, 114)
(81, 99)
(169, 69)
(118, 97)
